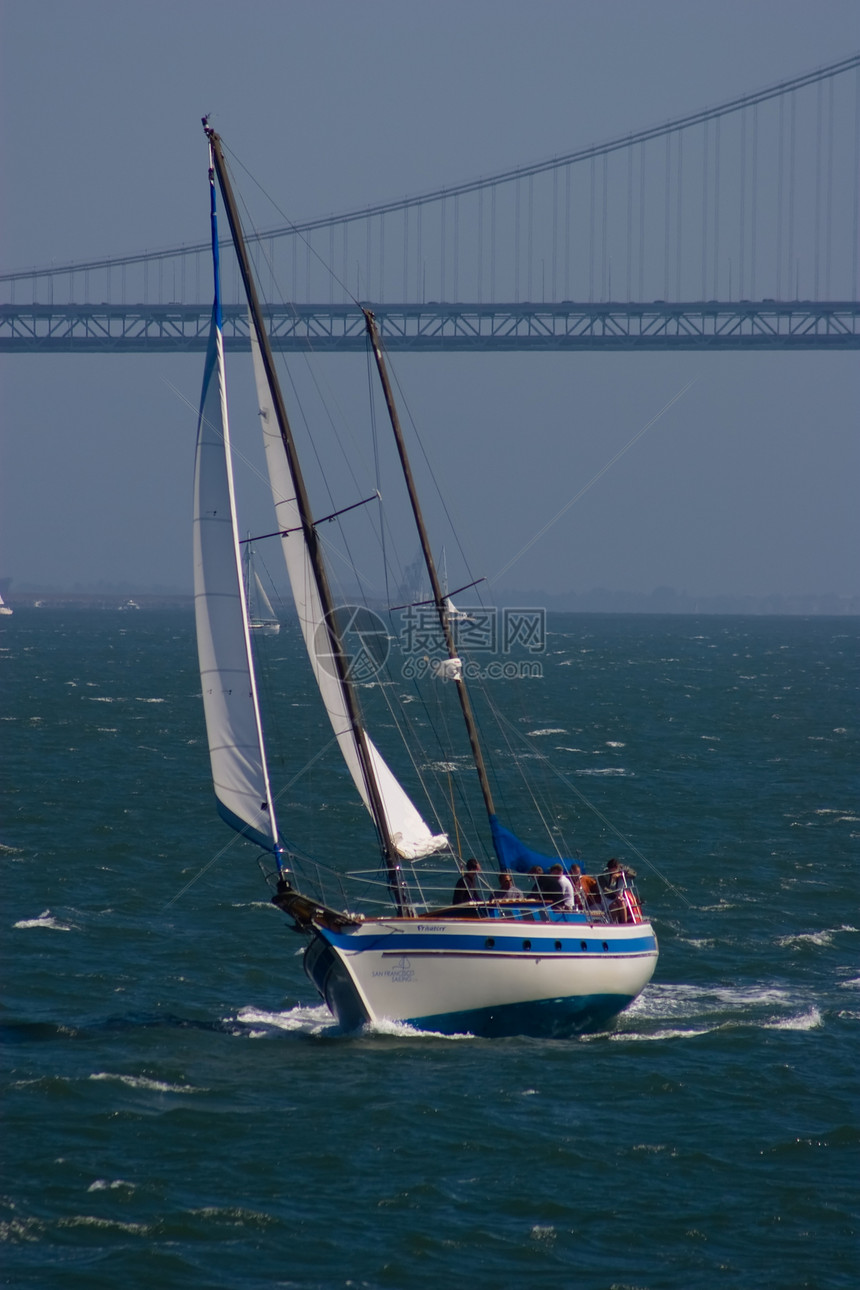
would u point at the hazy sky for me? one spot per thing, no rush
(748, 484)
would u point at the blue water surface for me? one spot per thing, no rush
(180, 1110)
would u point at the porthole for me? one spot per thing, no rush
(527, 945)
(583, 945)
(489, 942)
(605, 945)
(558, 945)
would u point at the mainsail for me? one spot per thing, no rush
(223, 642)
(408, 832)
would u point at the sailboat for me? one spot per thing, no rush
(261, 615)
(556, 962)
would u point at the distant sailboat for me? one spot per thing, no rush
(558, 960)
(261, 615)
(4, 608)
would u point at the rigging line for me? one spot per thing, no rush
(296, 229)
(596, 811)
(236, 836)
(541, 804)
(404, 403)
(543, 807)
(326, 397)
(638, 435)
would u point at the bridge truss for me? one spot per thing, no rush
(766, 325)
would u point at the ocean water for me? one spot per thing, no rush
(179, 1109)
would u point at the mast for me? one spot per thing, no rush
(309, 531)
(439, 597)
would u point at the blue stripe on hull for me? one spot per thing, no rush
(545, 1019)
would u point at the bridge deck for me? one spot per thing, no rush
(435, 327)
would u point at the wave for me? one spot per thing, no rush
(45, 919)
(824, 937)
(548, 730)
(605, 770)
(107, 1224)
(116, 1184)
(808, 1020)
(150, 1085)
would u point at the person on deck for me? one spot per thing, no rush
(547, 885)
(467, 884)
(576, 882)
(614, 887)
(565, 886)
(507, 889)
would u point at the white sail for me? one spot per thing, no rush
(223, 644)
(263, 606)
(407, 830)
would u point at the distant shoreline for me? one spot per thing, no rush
(663, 601)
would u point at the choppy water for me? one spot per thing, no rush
(180, 1111)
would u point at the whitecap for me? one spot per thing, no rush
(806, 938)
(137, 700)
(45, 919)
(143, 1082)
(808, 1020)
(102, 1184)
(636, 1036)
(90, 1220)
(548, 730)
(605, 770)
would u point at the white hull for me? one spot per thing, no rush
(488, 976)
(263, 627)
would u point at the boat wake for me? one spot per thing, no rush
(315, 1021)
(699, 1010)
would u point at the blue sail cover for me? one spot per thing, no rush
(515, 855)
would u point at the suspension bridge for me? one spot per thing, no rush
(736, 227)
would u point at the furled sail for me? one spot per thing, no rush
(408, 832)
(223, 643)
